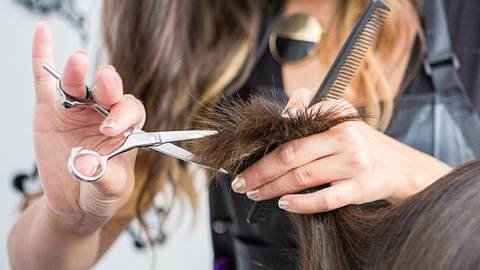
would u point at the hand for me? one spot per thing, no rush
(360, 164)
(82, 207)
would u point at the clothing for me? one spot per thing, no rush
(271, 245)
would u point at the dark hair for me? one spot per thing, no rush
(438, 228)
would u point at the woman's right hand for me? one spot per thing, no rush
(78, 206)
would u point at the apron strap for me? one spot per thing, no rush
(441, 63)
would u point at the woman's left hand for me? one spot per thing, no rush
(360, 164)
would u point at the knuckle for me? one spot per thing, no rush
(332, 201)
(266, 192)
(347, 133)
(287, 153)
(301, 177)
(41, 77)
(360, 162)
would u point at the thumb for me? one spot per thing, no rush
(299, 100)
(42, 53)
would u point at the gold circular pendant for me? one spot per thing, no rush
(295, 38)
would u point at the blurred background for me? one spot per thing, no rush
(75, 25)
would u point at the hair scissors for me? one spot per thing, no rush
(157, 141)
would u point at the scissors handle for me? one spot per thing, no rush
(69, 101)
(78, 152)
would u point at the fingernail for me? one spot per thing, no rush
(40, 23)
(239, 184)
(290, 112)
(109, 123)
(82, 51)
(254, 194)
(283, 204)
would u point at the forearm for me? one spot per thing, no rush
(37, 241)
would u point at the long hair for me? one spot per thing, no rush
(171, 54)
(435, 229)
(177, 56)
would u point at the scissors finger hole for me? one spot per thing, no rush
(86, 165)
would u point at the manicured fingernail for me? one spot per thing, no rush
(40, 23)
(254, 194)
(290, 112)
(283, 204)
(82, 51)
(109, 123)
(239, 184)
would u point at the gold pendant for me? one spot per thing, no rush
(295, 38)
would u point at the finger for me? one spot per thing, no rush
(341, 106)
(331, 198)
(299, 100)
(87, 165)
(313, 174)
(42, 53)
(126, 113)
(109, 87)
(75, 74)
(284, 158)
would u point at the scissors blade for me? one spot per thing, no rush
(182, 135)
(182, 154)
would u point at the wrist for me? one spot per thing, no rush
(420, 171)
(69, 224)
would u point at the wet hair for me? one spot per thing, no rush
(438, 228)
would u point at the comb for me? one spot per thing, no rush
(353, 52)
(339, 76)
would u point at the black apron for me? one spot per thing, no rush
(439, 121)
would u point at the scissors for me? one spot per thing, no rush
(157, 141)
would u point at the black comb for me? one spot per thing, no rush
(338, 77)
(353, 52)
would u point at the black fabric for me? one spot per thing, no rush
(271, 245)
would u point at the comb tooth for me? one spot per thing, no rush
(348, 72)
(335, 93)
(376, 24)
(341, 85)
(372, 28)
(368, 35)
(343, 81)
(358, 54)
(363, 45)
(356, 57)
(381, 13)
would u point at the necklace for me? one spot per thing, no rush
(295, 38)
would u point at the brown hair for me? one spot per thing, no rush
(171, 54)
(437, 228)
(177, 56)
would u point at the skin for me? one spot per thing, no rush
(75, 220)
(71, 215)
(352, 157)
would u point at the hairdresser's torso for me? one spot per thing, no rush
(271, 245)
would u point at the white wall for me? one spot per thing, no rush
(188, 246)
